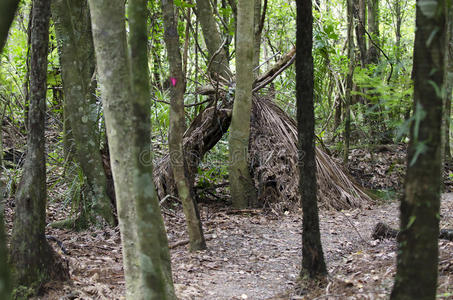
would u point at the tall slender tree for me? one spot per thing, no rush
(348, 92)
(125, 95)
(313, 263)
(33, 259)
(242, 187)
(177, 129)
(416, 276)
(448, 85)
(76, 51)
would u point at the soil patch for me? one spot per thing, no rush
(251, 256)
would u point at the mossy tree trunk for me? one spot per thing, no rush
(125, 97)
(75, 44)
(177, 129)
(417, 261)
(8, 11)
(33, 259)
(243, 192)
(313, 263)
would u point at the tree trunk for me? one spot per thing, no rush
(177, 129)
(8, 11)
(33, 259)
(348, 94)
(399, 20)
(417, 261)
(213, 39)
(360, 8)
(154, 256)
(257, 35)
(449, 86)
(75, 44)
(373, 29)
(313, 263)
(243, 192)
(126, 104)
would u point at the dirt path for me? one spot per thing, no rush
(251, 256)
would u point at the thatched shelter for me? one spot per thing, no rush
(273, 159)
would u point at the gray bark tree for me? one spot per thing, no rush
(313, 263)
(125, 95)
(33, 259)
(76, 51)
(243, 192)
(177, 129)
(417, 261)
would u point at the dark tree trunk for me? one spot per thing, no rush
(313, 263)
(360, 8)
(348, 92)
(448, 86)
(33, 259)
(417, 262)
(8, 11)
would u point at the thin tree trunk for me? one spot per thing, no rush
(417, 261)
(360, 8)
(398, 33)
(257, 31)
(243, 192)
(33, 259)
(213, 39)
(177, 129)
(348, 96)
(373, 29)
(75, 43)
(145, 247)
(449, 86)
(154, 257)
(313, 263)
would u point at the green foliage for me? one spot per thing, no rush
(386, 102)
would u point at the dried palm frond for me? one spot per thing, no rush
(274, 164)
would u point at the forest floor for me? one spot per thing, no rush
(253, 254)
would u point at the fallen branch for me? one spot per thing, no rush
(383, 231)
(186, 241)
